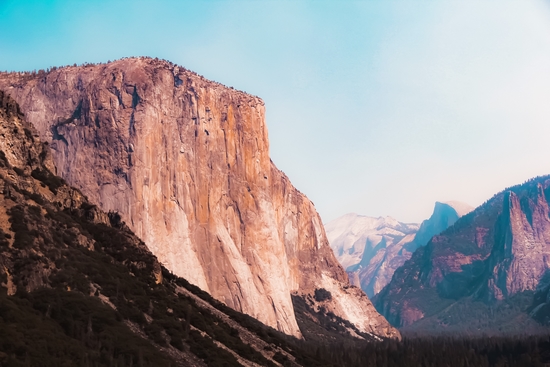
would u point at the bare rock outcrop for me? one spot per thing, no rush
(185, 161)
(521, 257)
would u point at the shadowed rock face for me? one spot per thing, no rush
(492, 254)
(443, 216)
(371, 249)
(185, 161)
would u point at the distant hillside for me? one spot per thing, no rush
(371, 249)
(362, 244)
(479, 275)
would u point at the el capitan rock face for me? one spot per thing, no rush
(371, 249)
(185, 161)
(493, 256)
(78, 288)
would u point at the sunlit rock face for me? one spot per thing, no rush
(371, 249)
(499, 250)
(186, 163)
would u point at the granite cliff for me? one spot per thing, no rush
(185, 161)
(371, 249)
(481, 273)
(78, 288)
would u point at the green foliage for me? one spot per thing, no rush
(4, 239)
(27, 338)
(450, 352)
(120, 268)
(3, 159)
(28, 134)
(322, 326)
(24, 237)
(469, 317)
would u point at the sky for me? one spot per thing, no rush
(373, 107)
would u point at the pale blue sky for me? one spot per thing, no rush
(373, 107)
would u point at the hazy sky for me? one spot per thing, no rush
(373, 107)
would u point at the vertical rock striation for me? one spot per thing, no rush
(521, 255)
(185, 161)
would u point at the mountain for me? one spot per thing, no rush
(77, 287)
(481, 274)
(364, 244)
(371, 249)
(443, 216)
(185, 161)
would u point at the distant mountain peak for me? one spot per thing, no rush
(460, 207)
(489, 260)
(371, 249)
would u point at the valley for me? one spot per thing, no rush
(144, 223)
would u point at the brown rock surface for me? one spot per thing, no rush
(185, 161)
